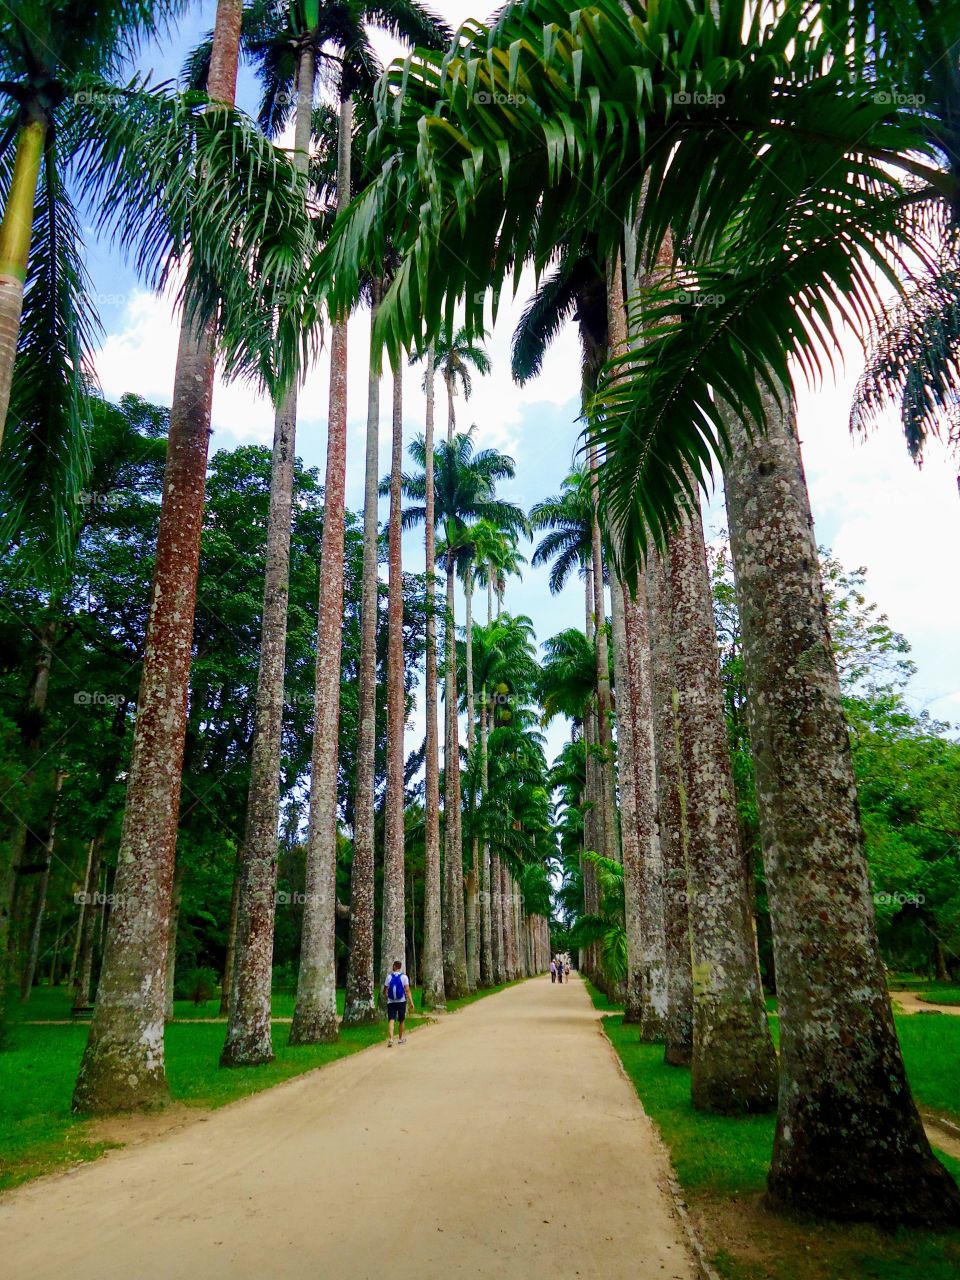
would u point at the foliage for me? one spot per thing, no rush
(907, 767)
(781, 214)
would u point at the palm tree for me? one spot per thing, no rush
(249, 1040)
(123, 1061)
(770, 270)
(49, 67)
(433, 982)
(458, 356)
(678, 1048)
(502, 660)
(813, 852)
(465, 481)
(341, 29)
(569, 521)
(392, 933)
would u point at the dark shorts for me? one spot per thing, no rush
(397, 1009)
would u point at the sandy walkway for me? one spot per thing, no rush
(502, 1142)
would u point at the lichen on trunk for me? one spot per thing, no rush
(678, 1049)
(734, 1066)
(849, 1142)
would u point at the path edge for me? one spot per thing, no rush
(697, 1247)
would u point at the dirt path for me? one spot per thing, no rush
(910, 1002)
(502, 1142)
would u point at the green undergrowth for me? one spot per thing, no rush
(38, 1132)
(721, 1163)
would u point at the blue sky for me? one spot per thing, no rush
(871, 505)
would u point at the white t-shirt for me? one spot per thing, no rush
(406, 982)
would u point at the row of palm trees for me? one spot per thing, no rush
(789, 192)
(591, 157)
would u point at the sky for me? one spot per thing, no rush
(872, 506)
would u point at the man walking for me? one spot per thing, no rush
(397, 989)
(553, 970)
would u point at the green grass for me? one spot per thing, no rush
(721, 1162)
(931, 1053)
(941, 993)
(38, 1133)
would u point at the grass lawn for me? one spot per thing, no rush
(38, 1133)
(721, 1163)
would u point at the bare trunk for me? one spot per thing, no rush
(498, 936)
(473, 922)
(315, 1013)
(249, 1040)
(849, 1142)
(642, 864)
(606, 797)
(506, 897)
(487, 961)
(454, 939)
(734, 1066)
(392, 936)
(83, 970)
(84, 903)
(123, 1063)
(592, 818)
(230, 955)
(361, 998)
(671, 819)
(172, 945)
(433, 991)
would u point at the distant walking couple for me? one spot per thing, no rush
(397, 990)
(557, 969)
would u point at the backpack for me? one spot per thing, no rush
(395, 989)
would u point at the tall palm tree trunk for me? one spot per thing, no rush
(473, 918)
(123, 1062)
(315, 1013)
(734, 1066)
(498, 939)
(433, 996)
(487, 930)
(361, 998)
(593, 838)
(642, 864)
(393, 933)
(646, 996)
(678, 1049)
(16, 231)
(454, 933)
(849, 1141)
(249, 1041)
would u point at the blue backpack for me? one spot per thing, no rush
(395, 989)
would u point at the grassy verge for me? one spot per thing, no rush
(38, 1133)
(721, 1163)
